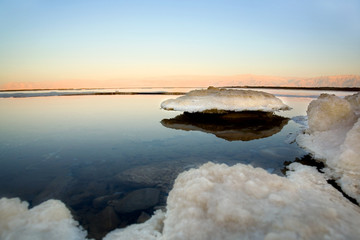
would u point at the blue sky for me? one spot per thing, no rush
(45, 40)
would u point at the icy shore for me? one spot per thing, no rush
(333, 137)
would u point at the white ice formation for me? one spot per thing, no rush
(242, 202)
(214, 100)
(49, 220)
(333, 137)
(214, 202)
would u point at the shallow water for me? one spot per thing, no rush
(91, 152)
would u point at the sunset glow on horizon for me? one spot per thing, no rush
(134, 43)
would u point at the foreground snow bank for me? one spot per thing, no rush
(49, 220)
(213, 202)
(214, 100)
(242, 202)
(333, 137)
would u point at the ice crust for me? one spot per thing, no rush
(333, 137)
(242, 202)
(215, 100)
(213, 202)
(49, 220)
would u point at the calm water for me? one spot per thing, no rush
(93, 152)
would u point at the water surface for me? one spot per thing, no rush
(92, 152)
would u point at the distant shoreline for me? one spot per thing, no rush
(350, 89)
(83, 89)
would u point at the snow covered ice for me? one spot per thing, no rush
(242, 202)
(333, 137)
(49, 220)
(215, 100)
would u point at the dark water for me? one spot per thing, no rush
(112, 159)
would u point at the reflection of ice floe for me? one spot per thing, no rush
(214, 100)
(233, 126)
(333, 137)
(242, 202)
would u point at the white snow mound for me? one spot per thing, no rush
(214, 100)
(49, 220)
(354, 101)
(242, 202)
(209, 203)
(333, 137)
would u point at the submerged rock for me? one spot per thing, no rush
(137, 200)
(103, 222)
(102, 201)
(143, 217)
(55, 189)
(161, 176)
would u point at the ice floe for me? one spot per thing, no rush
(215, 100)
(244, 126)
(333, 137)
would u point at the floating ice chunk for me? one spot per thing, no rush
(49, 220)
(215, 100)
(333, 137)
(242, 202)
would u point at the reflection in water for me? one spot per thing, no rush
(233, 126)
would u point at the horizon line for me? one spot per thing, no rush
(239, 86)
(344, 80)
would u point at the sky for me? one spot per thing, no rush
(135, 40)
